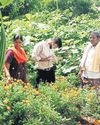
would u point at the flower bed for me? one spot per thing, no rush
(53, 104)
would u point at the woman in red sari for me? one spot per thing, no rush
(15, 60)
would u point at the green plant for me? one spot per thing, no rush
(5, 2)
(2, 43)
(2, 33)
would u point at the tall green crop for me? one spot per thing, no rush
(2, 43)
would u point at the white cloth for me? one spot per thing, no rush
(87, 61)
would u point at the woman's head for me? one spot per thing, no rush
(17, 40)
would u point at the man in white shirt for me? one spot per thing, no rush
(44, 57)
(90, 63)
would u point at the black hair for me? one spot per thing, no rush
(16, 37)
(58, 41)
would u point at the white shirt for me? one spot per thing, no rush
(88, 54)
(41, 51)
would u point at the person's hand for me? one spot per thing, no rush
(8, 80)
(46, 59)
(49, 58)
(80, 73)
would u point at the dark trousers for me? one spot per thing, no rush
(45, 76)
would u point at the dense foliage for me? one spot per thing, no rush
(19, 7)
(62, 103)
(74, 32)
(54, 104)
(2, 34)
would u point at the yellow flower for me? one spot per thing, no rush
(28, 84)
(14, 83)
(36, 91)
(8, 94)
(62, 78)
(6, 87)
(90, 96)
(5, 101)
(62, 94)
(14, 80)
(18, 81)
(26, 102)
(1, 104)
(54, 87)
(97, 122)
(25, 86)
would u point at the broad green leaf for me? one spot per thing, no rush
(5, 2)
(29, 16)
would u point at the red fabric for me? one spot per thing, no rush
(19, 55)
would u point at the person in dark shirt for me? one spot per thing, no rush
(15, 60)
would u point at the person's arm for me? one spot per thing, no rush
(6, 69)
(7, 61)
(81, 70)
(83, 60)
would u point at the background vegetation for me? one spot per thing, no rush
(20, 7)
(64, 102)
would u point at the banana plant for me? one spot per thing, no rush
(2, 43)
(3, 3)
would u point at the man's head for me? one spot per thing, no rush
(55, 43)
(17, 40)
(94, 38)
(58, 42)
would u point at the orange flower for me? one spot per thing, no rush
(8, 108)
(97, 122)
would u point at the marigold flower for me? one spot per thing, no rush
(97, 122)
(5, 101)
(62, 94)
(36, 91)
(18, 81)
(25, 86)
(8, 108)
(14, 80)
(8, 94)
(6, 87)
(28, 84)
